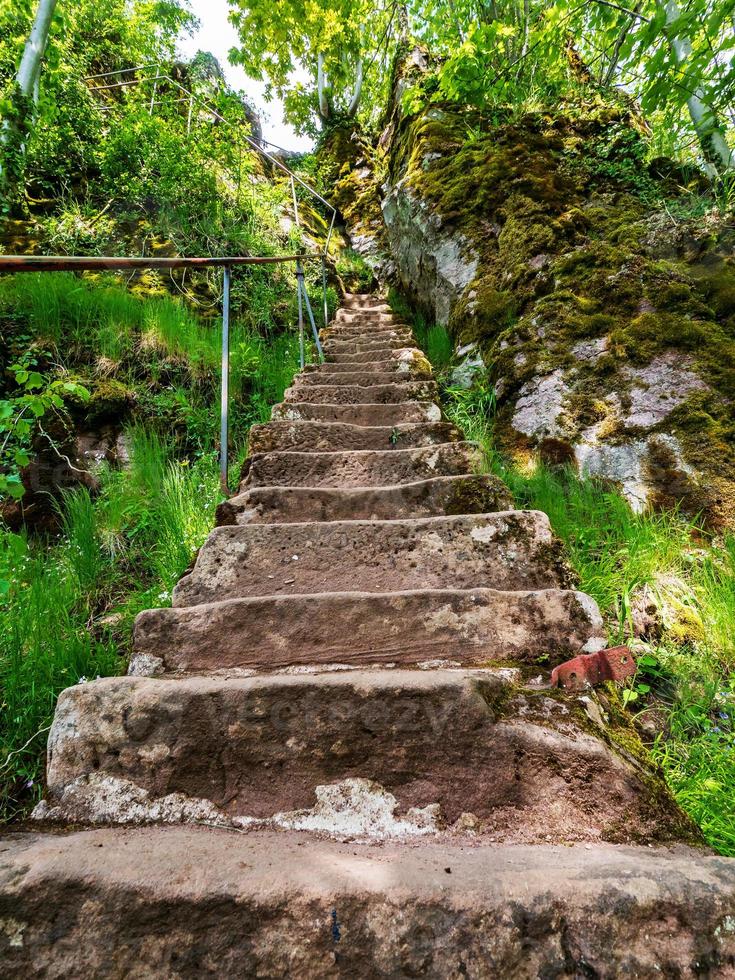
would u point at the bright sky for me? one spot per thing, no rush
(217, 35)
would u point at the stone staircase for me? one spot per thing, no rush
(338, 753)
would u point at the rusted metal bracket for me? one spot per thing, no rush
(590, 669)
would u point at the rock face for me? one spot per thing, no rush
(339, 753)
(604, 324)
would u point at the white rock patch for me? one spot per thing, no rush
(359, 808)
(658, 388)
(539, 406)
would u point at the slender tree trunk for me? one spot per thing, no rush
(704, 119)
(12, 137)
(608, 76)
(321, 86)
(355, 101)
(30, 65)
(526, 37)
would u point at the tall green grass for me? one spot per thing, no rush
(434, 339)
(689, 670)
(68, 613)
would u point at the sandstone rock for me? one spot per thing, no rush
(658, 388)
(539, 406)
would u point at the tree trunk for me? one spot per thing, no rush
(30, 65)
(607, 79)
(355, 101)
(704, 119)
(321, 85)
(14, 130)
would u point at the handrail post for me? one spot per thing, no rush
(324, 290)
(299, 285)
(224, 435)
(307, 303)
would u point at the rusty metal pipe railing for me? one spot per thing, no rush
(99, 263)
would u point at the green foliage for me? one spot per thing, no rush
(31, 399)
(276, 41)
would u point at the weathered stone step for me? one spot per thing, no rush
(171, 901)
(338, 436)
(472, 494)
(371, 468)
(383, 355)
(380, 320)
(384, 414)
(362, 345)
(508, 550)
(360, 377)
(407, 360)
(375, 332)
(454, 750)
(408, 391)
(402, 629)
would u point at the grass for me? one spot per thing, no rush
(70, 607)
(686, 673)
(434, 339)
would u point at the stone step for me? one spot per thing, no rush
(407, 360)
(376, 332)
(383, 345)
(408, 391)
(360, 377)
(367, 322)
(383, 355)
(371, 468)
(508, 550)
(379, 310)
(468, 752)
(361, 629)
(357, 414)
(336, 436)
(187, 902)
(472, 494)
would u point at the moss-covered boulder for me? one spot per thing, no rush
(596, 286)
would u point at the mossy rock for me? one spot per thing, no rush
(110, 401)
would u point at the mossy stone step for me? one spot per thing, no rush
(461, 751)
(471, 494)
(386, 331)
(402, 629)
(508, 550)
(333, 394)
(408, 360)
(366, 468)
(384, 355)
(384, 414)
(361, 377)
(339, 436)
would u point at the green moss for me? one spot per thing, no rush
(719, 289)
(110, 401)
(483, 313)
(648, 334)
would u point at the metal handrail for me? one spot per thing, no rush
(84, 263)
